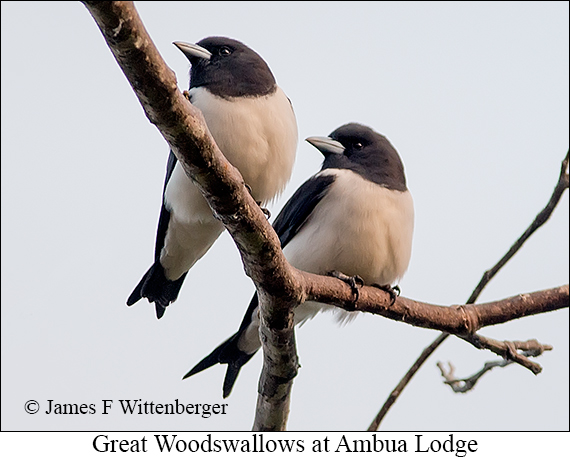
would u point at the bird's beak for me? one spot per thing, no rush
(326, 145)
(193, 50)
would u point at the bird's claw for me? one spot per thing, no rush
(393, 291)
(264, 210)
(355, 282)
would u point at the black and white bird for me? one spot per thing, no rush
(254, 125)
(355, 217)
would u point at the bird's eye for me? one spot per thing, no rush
(225, 51)
(358, 146)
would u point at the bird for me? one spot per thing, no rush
(254, 125)
(354, 220)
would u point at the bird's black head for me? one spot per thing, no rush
(360, 149)
(228, 68)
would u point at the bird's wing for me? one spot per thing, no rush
(300, 206)
(164, 213)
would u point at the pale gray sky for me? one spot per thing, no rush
(473, 95)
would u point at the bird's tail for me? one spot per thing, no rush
(229, 353)
(156, 288)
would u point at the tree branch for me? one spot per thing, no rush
(280, 286)
(539, 220)
(454, 319)
(185, 130)
(404, 381)
(509, 350)
(466, 384)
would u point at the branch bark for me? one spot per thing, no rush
(281, 287)
(508, 350)
(454, 319)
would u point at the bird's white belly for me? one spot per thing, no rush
(192, 228)
(364, 229)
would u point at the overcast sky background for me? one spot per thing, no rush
(474, 96)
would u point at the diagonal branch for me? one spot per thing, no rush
(540, 219)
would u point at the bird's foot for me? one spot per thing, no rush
(393, 291)
(264, 210)
(355, 282)
(187, 96)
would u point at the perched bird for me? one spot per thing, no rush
(254, 125)
(354, 218)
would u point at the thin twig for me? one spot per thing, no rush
(541, 218)
(466, 384)
(508, 350)
(404, 381)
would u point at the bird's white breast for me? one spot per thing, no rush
(358, 228)
(258, 135)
